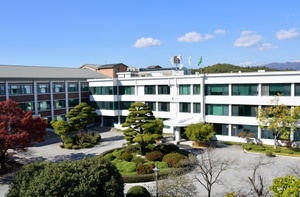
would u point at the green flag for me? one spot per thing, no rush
(200, 61)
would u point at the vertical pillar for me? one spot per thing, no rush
(35, 97)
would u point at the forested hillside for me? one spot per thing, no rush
(229, 68)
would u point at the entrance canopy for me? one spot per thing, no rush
(181, 122)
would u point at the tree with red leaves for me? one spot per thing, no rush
(18, 129)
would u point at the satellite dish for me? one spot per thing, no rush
(180, 66)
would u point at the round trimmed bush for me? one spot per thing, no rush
(173, 159)
(126, 156)
(138, 191)
(138, 160)
(144, 169)
(117, 153)
(162, 165)
(154, 156)
(109, 157)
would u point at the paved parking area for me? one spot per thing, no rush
(234, 179)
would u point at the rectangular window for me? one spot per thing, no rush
(185, 107)
(2, 89)
(216, 89)
(248, 129)
(84, 87)
(163, 89)
(297, 89)
(126, 90)
(59, 104)
(27, 106)
(73, 102)
(43, 88)
(245, 89)
(105, 90)
(221, 129)
(58, 87)
(184, 89)
(196, 107)
(150, 89)
(72, 87)
(244, 110)
(125, 105)
(152, 105)
(217, 110)
(196, 89)
(44, 105)
(20, 89)
(164, 106)
(275, 89)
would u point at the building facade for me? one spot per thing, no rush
(226, 100)
(48, 91)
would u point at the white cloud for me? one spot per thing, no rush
(287, 34)
(220, 31)
(247, 39)
(265, 46)
(146, 42)
(194, 37)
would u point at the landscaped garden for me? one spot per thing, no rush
(135, 167)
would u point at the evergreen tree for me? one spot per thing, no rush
(142, 127)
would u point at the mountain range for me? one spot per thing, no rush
(284, 66)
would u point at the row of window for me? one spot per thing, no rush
(15, 89)
(154, 106)
(46, 105)
(223, 129)
(212, 89)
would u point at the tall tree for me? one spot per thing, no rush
(278, 118)
(18, 129)
(81, 116)
(142, 127)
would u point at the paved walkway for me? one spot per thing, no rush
(234, 179)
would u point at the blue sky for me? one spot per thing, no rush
(139, 33)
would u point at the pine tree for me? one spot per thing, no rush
(142, 126)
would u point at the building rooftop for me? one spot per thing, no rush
(43, 72)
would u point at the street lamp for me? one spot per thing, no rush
(156, 170)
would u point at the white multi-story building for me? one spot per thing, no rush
(226, 100)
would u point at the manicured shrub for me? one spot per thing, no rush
(138, 191)
(76, 147)
(87, 177)
(117, 153)
(130, 167)
(154, 156)
(138, 160)
(126, 156)
(132, 148)
(96, 138)
(109, 157)
(87, 145)
(144, 169)
(68, 140)
(68, 146)
(162, 165)
(173, 159)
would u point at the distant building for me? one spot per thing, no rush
(109, 70)
(49, 92)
